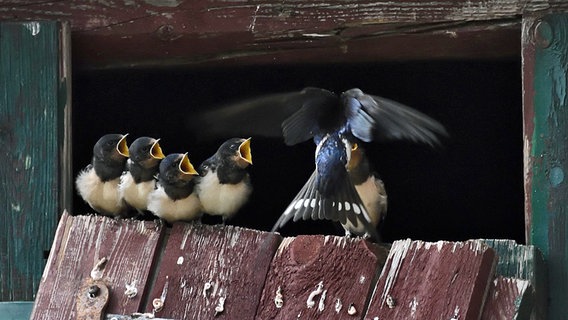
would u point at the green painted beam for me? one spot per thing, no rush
(18, 310)
(34, 149)
(545, 67)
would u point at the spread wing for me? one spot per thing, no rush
(373, 118)
(261, 116)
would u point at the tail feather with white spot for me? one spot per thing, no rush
(344, 206)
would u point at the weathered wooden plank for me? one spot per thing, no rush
(527, 263)
(15, 310)
(35, 110)
(443, 280)
(545, 112)
(509, 298)
(129, 246)
(189, 32)
(320, 277)
(212, 271)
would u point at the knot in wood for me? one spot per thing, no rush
(167, 33)
(305, 250)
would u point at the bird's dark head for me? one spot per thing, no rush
(333, 155)
(238, 150)
(111, 147)
(146, 152)
(176, 167)
(335, 148)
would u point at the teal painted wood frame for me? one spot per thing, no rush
(35, 149)
(545, 70)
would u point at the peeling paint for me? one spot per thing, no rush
(413, 307)
(253, 22)
(284, 245)
(34, 27)
(27, 162)
(16, 207)
(399, 250)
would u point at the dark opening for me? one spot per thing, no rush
(472, 187)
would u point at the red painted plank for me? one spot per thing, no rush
(524, 262)
(320, 277)
(130, 247)
(205, 267)
(509, 299)
(443, 280)
(188, 32)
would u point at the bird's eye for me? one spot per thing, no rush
(234, 147)
(146, 149)
(110, 143)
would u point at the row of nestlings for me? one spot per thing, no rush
(124, 181)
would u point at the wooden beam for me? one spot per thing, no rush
(545, 112)
(173, 32)
(208, 272)
(36, 159)
(524, 262)
(509, 298)
(320, 277)
(442, 280)
(130, 248)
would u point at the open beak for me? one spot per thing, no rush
(156, 151)
(122, 147)
(245, 151)
(355, 157)
(186, 167)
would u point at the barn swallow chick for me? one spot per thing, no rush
(174, 198)
(371, 190)
(139, 179)
(98, 183)
(224, 186)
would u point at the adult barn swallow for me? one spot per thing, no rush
(336, 124)
(174, 198)
(98, 183)
(141, 168)
(224, 184)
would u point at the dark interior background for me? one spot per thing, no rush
(472, 187)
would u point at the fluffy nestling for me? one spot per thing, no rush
(174, 198)
(371, 190)
(141, 168)
(224, 184)
(98, 183)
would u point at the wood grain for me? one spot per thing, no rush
(170, 32)
(35, 157)
(442, 280)
(524, 262)
(202, 265)
(336, 272)
(130, 247)
(509, 298)
(545, 116)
